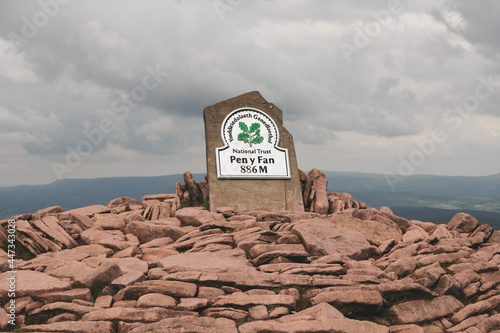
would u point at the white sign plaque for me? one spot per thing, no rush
(251, 149)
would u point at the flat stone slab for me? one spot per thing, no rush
(90, 210)
(31, 283)
(321, 237)
(73, 326)
(63, 306)
(172, 288)
(189, 324)
(242, 299)
(149, 230)
(196, 216)
(65, 295)
(313, 326)
(135, 315)
(50, 225)
(361, 297)
(422, 310)
(219, 262)
(321, 311)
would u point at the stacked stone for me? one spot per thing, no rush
(192, 193)
(110, 269)
(315, 197)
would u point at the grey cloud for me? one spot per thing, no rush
(93, 54)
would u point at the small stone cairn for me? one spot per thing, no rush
(166, 264)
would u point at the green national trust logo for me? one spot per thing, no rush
(250, 136)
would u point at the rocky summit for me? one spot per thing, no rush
(167, 264)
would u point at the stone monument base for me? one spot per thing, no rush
(248, 194)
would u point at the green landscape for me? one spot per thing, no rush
(419, 197)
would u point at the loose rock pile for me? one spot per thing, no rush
(155, 266)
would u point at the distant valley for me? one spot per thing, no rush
(420, 197)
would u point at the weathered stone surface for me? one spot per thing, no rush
(172, 288)
(73, 327)
(125, 304)
(89, 276)
(62, 317)
(279, 194)
(258, 312)
(104, 301)
(422, 310)
(220, 261)
(128, 279)
(387, 218)
(126, 264)
(490, 324)
(242, 299)
(278, 311)
(223, 312)
(93, 250)
(321, 311)
(432, 273)
(319, 202)
(4, 319)
(411, 328)
(156, 254)
(475, 308)
(194, 190)
(209, 292)
(451, 261)
(295, 268)
(297, 256)
(189, 324)
(30, 283)
(65, 295)
(374, 231)
(90, 210)
(153, 199)
(192, 303)
(134, 314)
(148, 231)
(124, 201)
(305, 185)
(32, 239)
(442, 258)
(322, 238)
(63, 306)
(197, 216)
(156, 300)
(261, 249)
(441, 232)
(402, 267)
(415, 234)
(462, 222)
(50, 225)
(312, 326)
(495, 237)
(363, 298)
(95, 235)
(447, 285)
(472, 321)
(46, 211)
(117, 223)
(158, 242)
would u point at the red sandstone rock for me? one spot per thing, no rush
(319, 202)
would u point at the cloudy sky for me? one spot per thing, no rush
(117, 88)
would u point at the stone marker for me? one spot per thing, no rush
(251, 161)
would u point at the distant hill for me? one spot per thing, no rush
(74, 193)
(425, 197)
(420, 197)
